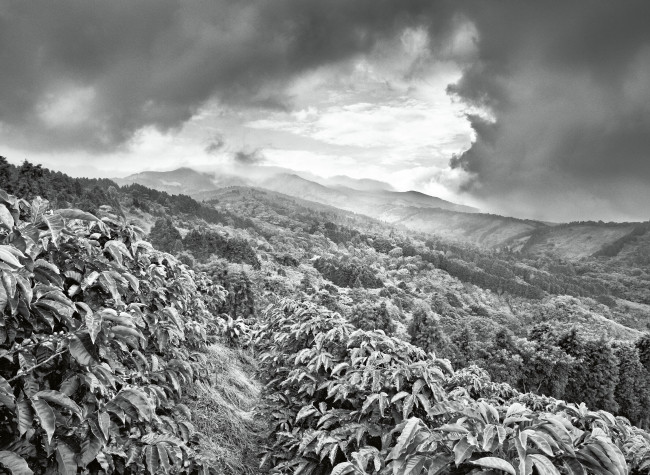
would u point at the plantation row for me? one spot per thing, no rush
(350, 401)
(99, 336)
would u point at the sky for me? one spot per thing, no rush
(529, 109)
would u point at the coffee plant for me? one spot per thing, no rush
(99, 333)
(350, 401)
(234, 332)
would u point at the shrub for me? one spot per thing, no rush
(346, 401)
(372, 317)
(100, 333)
(165, 236)
(426, 332)
(348, 273)
(204, 244)
(235, 332)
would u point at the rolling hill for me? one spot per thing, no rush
(413, 210)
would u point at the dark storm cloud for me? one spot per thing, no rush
(216, 144)
(253, 157)
(566, 82)
(89, 74)
(568, 85)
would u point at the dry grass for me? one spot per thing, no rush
(223, 412)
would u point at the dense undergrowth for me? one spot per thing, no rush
(350, 401)
(118, 358)
(100, 336)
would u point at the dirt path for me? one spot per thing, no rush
(224, 412)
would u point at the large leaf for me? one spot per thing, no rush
(81, 348)
(10, 283)
(414, 464)
(495, 463)
(93, 321)
(405, 438)
(25, 287)
(163, 458)
(343, 468)
(55, 224)
(56, 397)
(463, 450)
(5, 217)
(7, 255)
(151, 456)
(45, 416)
(140, 400)
(25, 416)
(128, 332)
(541, 443)
(104, 420)
(438, 463)
(574, 467)
(65, 458)
(14, 463)
(543, 464)
(598, 452)
(4, 299)
(38, 207)
(613, 453)
(89, 449)
(108, 283)
(6, 393)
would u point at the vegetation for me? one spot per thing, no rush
(333, 342)
(355, 401)
(100, 334)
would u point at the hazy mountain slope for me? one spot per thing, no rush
(484, 230)
(360, 196)
(363, 184)
(365, 202)
(413, 210)
(180, 181)
(575, 241)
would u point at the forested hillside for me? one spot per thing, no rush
(412, 210)
(353, 346)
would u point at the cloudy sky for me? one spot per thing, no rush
(531, 109)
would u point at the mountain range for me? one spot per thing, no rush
(412, 209)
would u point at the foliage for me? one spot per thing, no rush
(352, 401)
(240, 299)
(643, 347)
(99, 333)
(594, 376)
(631, 391)
(367, 316)
(484, 304)
(235, 332)
(426, 332)
(347, 273)
(204, 244)
(165, 237)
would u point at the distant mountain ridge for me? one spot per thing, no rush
(363, 196)
(362, 184)
(411, 209)
(180, 181)
(367, 202)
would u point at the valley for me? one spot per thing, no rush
(512, 304)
